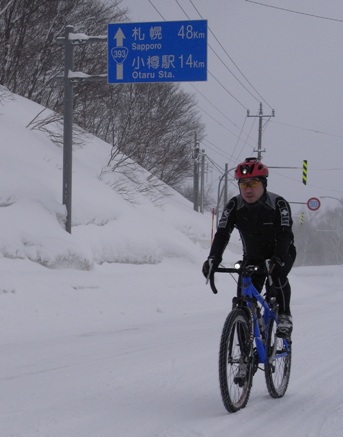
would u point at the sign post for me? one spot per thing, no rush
(137, 52)
(174, 51)
(313, 203)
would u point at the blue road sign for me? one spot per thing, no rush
(174, 51)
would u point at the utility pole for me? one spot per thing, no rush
(69, 40)
(260, 116)
(195, 156)
(225, 183)
(68, 126)
(202, 181)
(198, 176)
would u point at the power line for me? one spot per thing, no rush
(238, 139)
(212, 104)
(220, 83)
(298, 181)
(225, 51)
(220, 59)
(241, 130)
(159, 13)
(215, 165)
(244, 144)
(216, 54)
(229, 92)
(316, 131)
(182, 9)
(327, 169)
(223, 48)
(295, 12)
(218, 122)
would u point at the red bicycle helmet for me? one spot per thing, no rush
(251, 168)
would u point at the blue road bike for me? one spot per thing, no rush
(249, 342)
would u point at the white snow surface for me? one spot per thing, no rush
(112, 332)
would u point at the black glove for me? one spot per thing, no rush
(206, 266)
(275, 265)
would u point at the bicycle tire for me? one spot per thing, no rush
(277, 370)
(233, 352)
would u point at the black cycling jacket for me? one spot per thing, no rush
(265, 228)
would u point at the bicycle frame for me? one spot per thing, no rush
(243, 345)
(249, 291)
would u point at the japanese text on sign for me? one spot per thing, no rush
(157, 52)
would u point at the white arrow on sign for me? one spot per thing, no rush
(119, 53)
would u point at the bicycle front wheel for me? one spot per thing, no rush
(235, 361)
(278, 367)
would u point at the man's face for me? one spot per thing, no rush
(251, 189)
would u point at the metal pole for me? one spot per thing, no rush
(196, 175)
(259, 148)
(330, 197)
(196, 186)
(220, 192)
(68, 127)
(225, 184)
(68, 42)
(260, 116)
(202, 181)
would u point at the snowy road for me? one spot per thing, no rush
(139, 378)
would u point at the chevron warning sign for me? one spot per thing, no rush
(305, 171)
(302, 215)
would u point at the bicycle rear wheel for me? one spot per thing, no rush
(235, 361)
(278, 367)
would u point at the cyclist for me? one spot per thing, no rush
(264, 222)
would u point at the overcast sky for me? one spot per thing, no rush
(289, 61)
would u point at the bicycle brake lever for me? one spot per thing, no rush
(210, 263)
(210, 277)
(213, 287)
